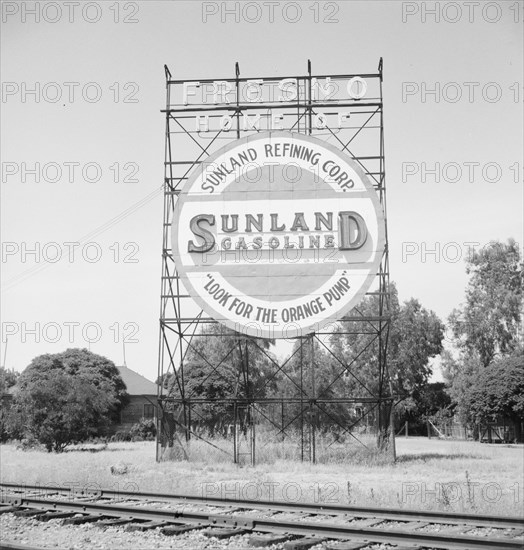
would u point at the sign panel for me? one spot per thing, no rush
(278, 235)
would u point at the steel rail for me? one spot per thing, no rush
(322, 530)
(391, 514)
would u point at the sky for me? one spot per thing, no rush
(82, 145)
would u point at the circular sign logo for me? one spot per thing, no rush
(278, 235)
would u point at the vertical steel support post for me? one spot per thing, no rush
(313, 402)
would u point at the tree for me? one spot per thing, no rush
(432, 398)
(68, 397)
(463, 374)
(8, 428)
(499, 391)
(312, 368)
(487, 327)
(8, 378)
(219, 366)
(426, 403)
(490, 321)
(415, 336)
(449, 366)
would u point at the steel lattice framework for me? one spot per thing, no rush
(189, 140)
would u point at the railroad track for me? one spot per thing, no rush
(297, 525)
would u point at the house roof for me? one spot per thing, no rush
(136, 383)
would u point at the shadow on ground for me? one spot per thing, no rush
(424, 457)
(92, 450)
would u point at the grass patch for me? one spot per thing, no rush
(430, 474)
(269, 450)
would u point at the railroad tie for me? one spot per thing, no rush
(39, 493)
(514, 533)
(114, 522)
(268, 540)
(27, 513)
(459, 529)
(147, 525)
(347, 545)
(47, 516)
(79, 520)
(173, 530)
(221, 533)
(303, 544)
(87, 498)
(410, 526)
(368, 522)
(8, 509)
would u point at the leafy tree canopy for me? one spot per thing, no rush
(215, 369)
(487, 328)
(428, 402)
(312, 368)
(67, 397)
(499, 390)
(488, 324)
(415, 337)
(8, 379)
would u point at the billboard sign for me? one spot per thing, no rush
(278, 234)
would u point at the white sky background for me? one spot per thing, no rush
(106, 132)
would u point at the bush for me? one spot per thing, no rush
(29, 444)
(11, 424)
(98, 440)
(144, 430)
(4, 425)
(68, 397)
(498, 391)
(121, 436)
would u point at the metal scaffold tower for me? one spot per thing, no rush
(243, 416)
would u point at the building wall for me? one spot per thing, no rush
(139, 406)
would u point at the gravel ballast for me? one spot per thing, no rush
(89, 536)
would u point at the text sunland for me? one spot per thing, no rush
(352, 232)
